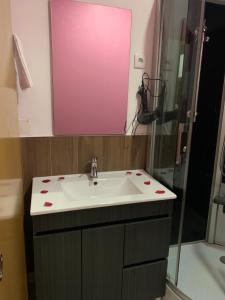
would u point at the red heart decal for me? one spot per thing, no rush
(48, 204)
(128, 172)
(160, 192)
(138, 174)
(46, 180)
(61, 178)
(147, 182)
(44, 192)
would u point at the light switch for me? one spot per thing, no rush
(24, 125)
(139, 62)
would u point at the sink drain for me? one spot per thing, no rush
(222, 259)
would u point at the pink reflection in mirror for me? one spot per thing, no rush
(90, 67)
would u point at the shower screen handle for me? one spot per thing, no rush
(1, 267)
(179, 143)
(203, 39)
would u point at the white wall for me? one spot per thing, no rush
(31, 23)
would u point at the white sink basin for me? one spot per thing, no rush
(55, 194)
(99, 188)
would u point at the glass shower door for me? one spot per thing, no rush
(180, 61)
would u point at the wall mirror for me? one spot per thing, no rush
(90, 67)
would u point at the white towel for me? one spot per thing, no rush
(23, 73)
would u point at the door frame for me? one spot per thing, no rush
(156, 59)
(193, 111)
(220, 2)
(214, 208)
(193, 101)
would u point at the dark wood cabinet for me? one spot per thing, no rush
(144, 282)
(114, 253)
(146, 240)
(102, 262)
(58, 266)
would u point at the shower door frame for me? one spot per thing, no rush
(214, 208)
(194, 99)
(156, 59)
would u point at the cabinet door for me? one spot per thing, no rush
(58, 266)
(145, 282)
(102, 261)
(146, 240)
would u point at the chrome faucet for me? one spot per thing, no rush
(94, 172)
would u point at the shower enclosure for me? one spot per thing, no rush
(180, 58)
(175, 158)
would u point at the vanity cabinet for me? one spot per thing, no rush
(58, 265)
(102, 262)
(146, 240)
(110, 253)
(144, 282)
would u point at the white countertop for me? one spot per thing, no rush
(49, 196)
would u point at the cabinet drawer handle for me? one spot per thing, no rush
(1, 267)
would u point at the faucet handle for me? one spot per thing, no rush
(94, 159)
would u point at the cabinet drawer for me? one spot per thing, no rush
(146, 240)
(145, 282)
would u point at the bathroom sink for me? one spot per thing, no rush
(53, 194)
(99, 188)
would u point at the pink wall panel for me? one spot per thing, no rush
(90, 67)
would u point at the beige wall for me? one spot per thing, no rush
(8, 111)
(31, 23)
(13, 284)
(7, 73)
(10, 161)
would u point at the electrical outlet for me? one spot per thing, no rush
(139, 61)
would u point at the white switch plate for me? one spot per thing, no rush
(24, 125)
(139, 61)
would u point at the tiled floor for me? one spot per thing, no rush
(201, 274)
